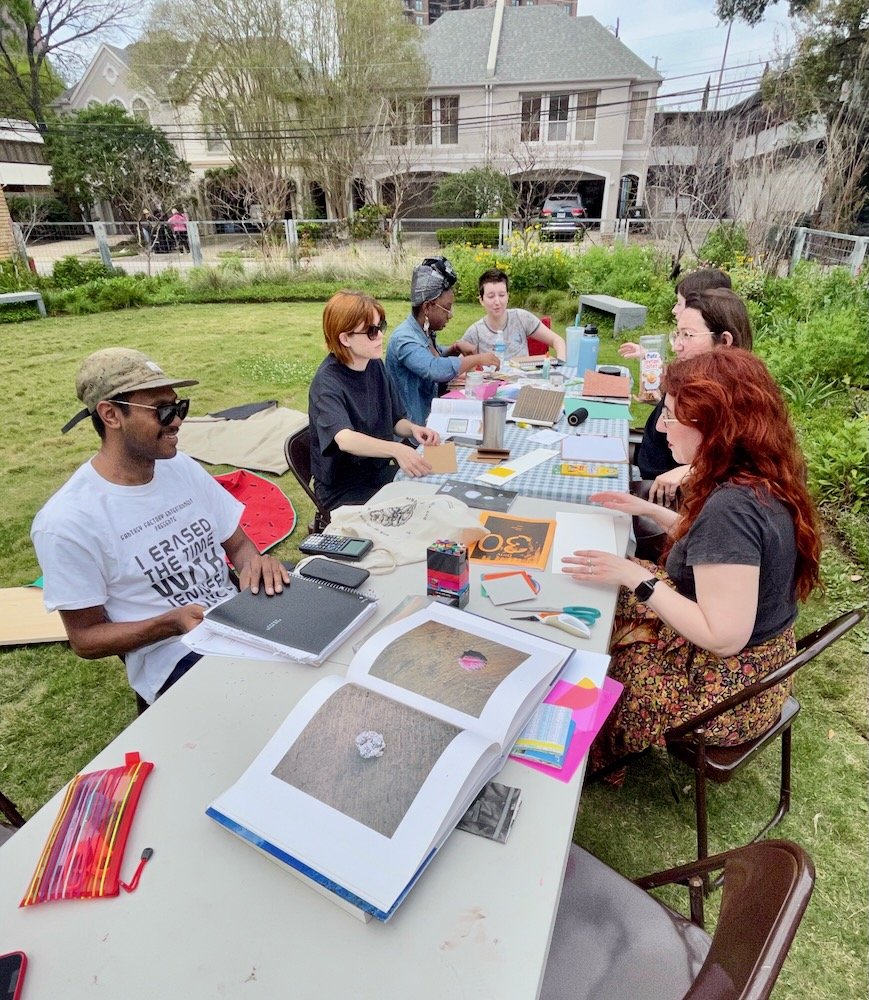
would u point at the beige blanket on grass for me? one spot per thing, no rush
(256, 443)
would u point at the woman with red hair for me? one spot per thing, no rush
(743, 549)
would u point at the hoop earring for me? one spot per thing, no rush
(425, 325)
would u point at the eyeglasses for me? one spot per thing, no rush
(667, 418)
(166, 412)
(449, 312)
(372, 332)
(678, 335)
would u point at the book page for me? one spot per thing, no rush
(465, 670)
(365, 823)
(462, 417)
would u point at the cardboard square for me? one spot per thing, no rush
(441, 457)
(597, 384)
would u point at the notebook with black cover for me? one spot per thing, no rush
(306, 621)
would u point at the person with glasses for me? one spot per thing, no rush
(711, 318)
(742, 551)
(418, 366)
(514, 326)
(134, 546)
(354, 410)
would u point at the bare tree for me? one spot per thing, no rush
(360, 57)
(535, 170)
(401, 142)
(39, 37)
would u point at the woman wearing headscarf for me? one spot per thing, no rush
(416, 364)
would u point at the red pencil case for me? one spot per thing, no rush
(84, 851)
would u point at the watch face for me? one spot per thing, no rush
(645, 590)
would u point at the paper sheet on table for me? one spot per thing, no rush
(581, 531)
(456, 416)
(593, 448)
(206, 641)
(599, 411)
(547, 437)
(514, 467)
(584, 665)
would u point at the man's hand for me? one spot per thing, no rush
(266, 571)
(186, 618)
(489, 360)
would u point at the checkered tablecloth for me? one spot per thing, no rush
(542, 481)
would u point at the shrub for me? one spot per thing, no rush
(725, 246)
(838, 460)
(482, 235)
(831, 346)
(366, 221)
(310, 231)
(122, 293)
(69, 272)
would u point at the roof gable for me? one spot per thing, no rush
(536, 45)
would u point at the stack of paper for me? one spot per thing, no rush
(546, 738)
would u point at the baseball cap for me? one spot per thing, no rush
(430, 279)
(113, 370)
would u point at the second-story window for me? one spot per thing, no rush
(423, 117)
(637, 114)
(586, 113)
(559, 109)
(449, 120)
(529, 130)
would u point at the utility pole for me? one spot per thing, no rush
(723, 61)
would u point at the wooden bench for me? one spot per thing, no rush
(627, 314)
(8, 297)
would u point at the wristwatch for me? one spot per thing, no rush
(644, 591)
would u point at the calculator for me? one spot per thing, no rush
(335, 546)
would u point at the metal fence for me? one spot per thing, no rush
(831, 249)
(149, 248)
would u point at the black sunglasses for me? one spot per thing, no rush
(372, 332)
(166, 412)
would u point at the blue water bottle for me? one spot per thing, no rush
(589, 345)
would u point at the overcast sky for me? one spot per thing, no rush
(690, 40)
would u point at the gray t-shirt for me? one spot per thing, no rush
(736, 527)
(518, 328)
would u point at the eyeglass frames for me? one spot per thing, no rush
(677, 336)
(372, 332)
(449, 312)
(166, 412)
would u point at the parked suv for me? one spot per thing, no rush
(562, 216)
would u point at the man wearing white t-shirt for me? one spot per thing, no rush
(133, 546)
(514, 326)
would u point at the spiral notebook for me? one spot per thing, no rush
(306, 621)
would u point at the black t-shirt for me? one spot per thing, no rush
(736, 527)
(343, 399)
(654, 455)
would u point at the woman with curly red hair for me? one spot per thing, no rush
(743, 549)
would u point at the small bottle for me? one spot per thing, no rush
(588, 349)
(545, 369)
(500, 347)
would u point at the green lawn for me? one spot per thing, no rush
(57, 711)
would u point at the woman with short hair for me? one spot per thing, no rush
(744, 548)
(354, 411)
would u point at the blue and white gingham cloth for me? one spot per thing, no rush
(542, 481)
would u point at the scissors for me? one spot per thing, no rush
(585, 614)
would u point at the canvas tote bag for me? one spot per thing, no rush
(403, 528)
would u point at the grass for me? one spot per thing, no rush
(57, 711)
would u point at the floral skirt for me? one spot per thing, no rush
(668, 680)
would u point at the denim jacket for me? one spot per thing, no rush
(415, 371)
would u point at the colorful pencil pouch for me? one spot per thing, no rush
(84, 851)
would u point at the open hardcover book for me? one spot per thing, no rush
(369, 774)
